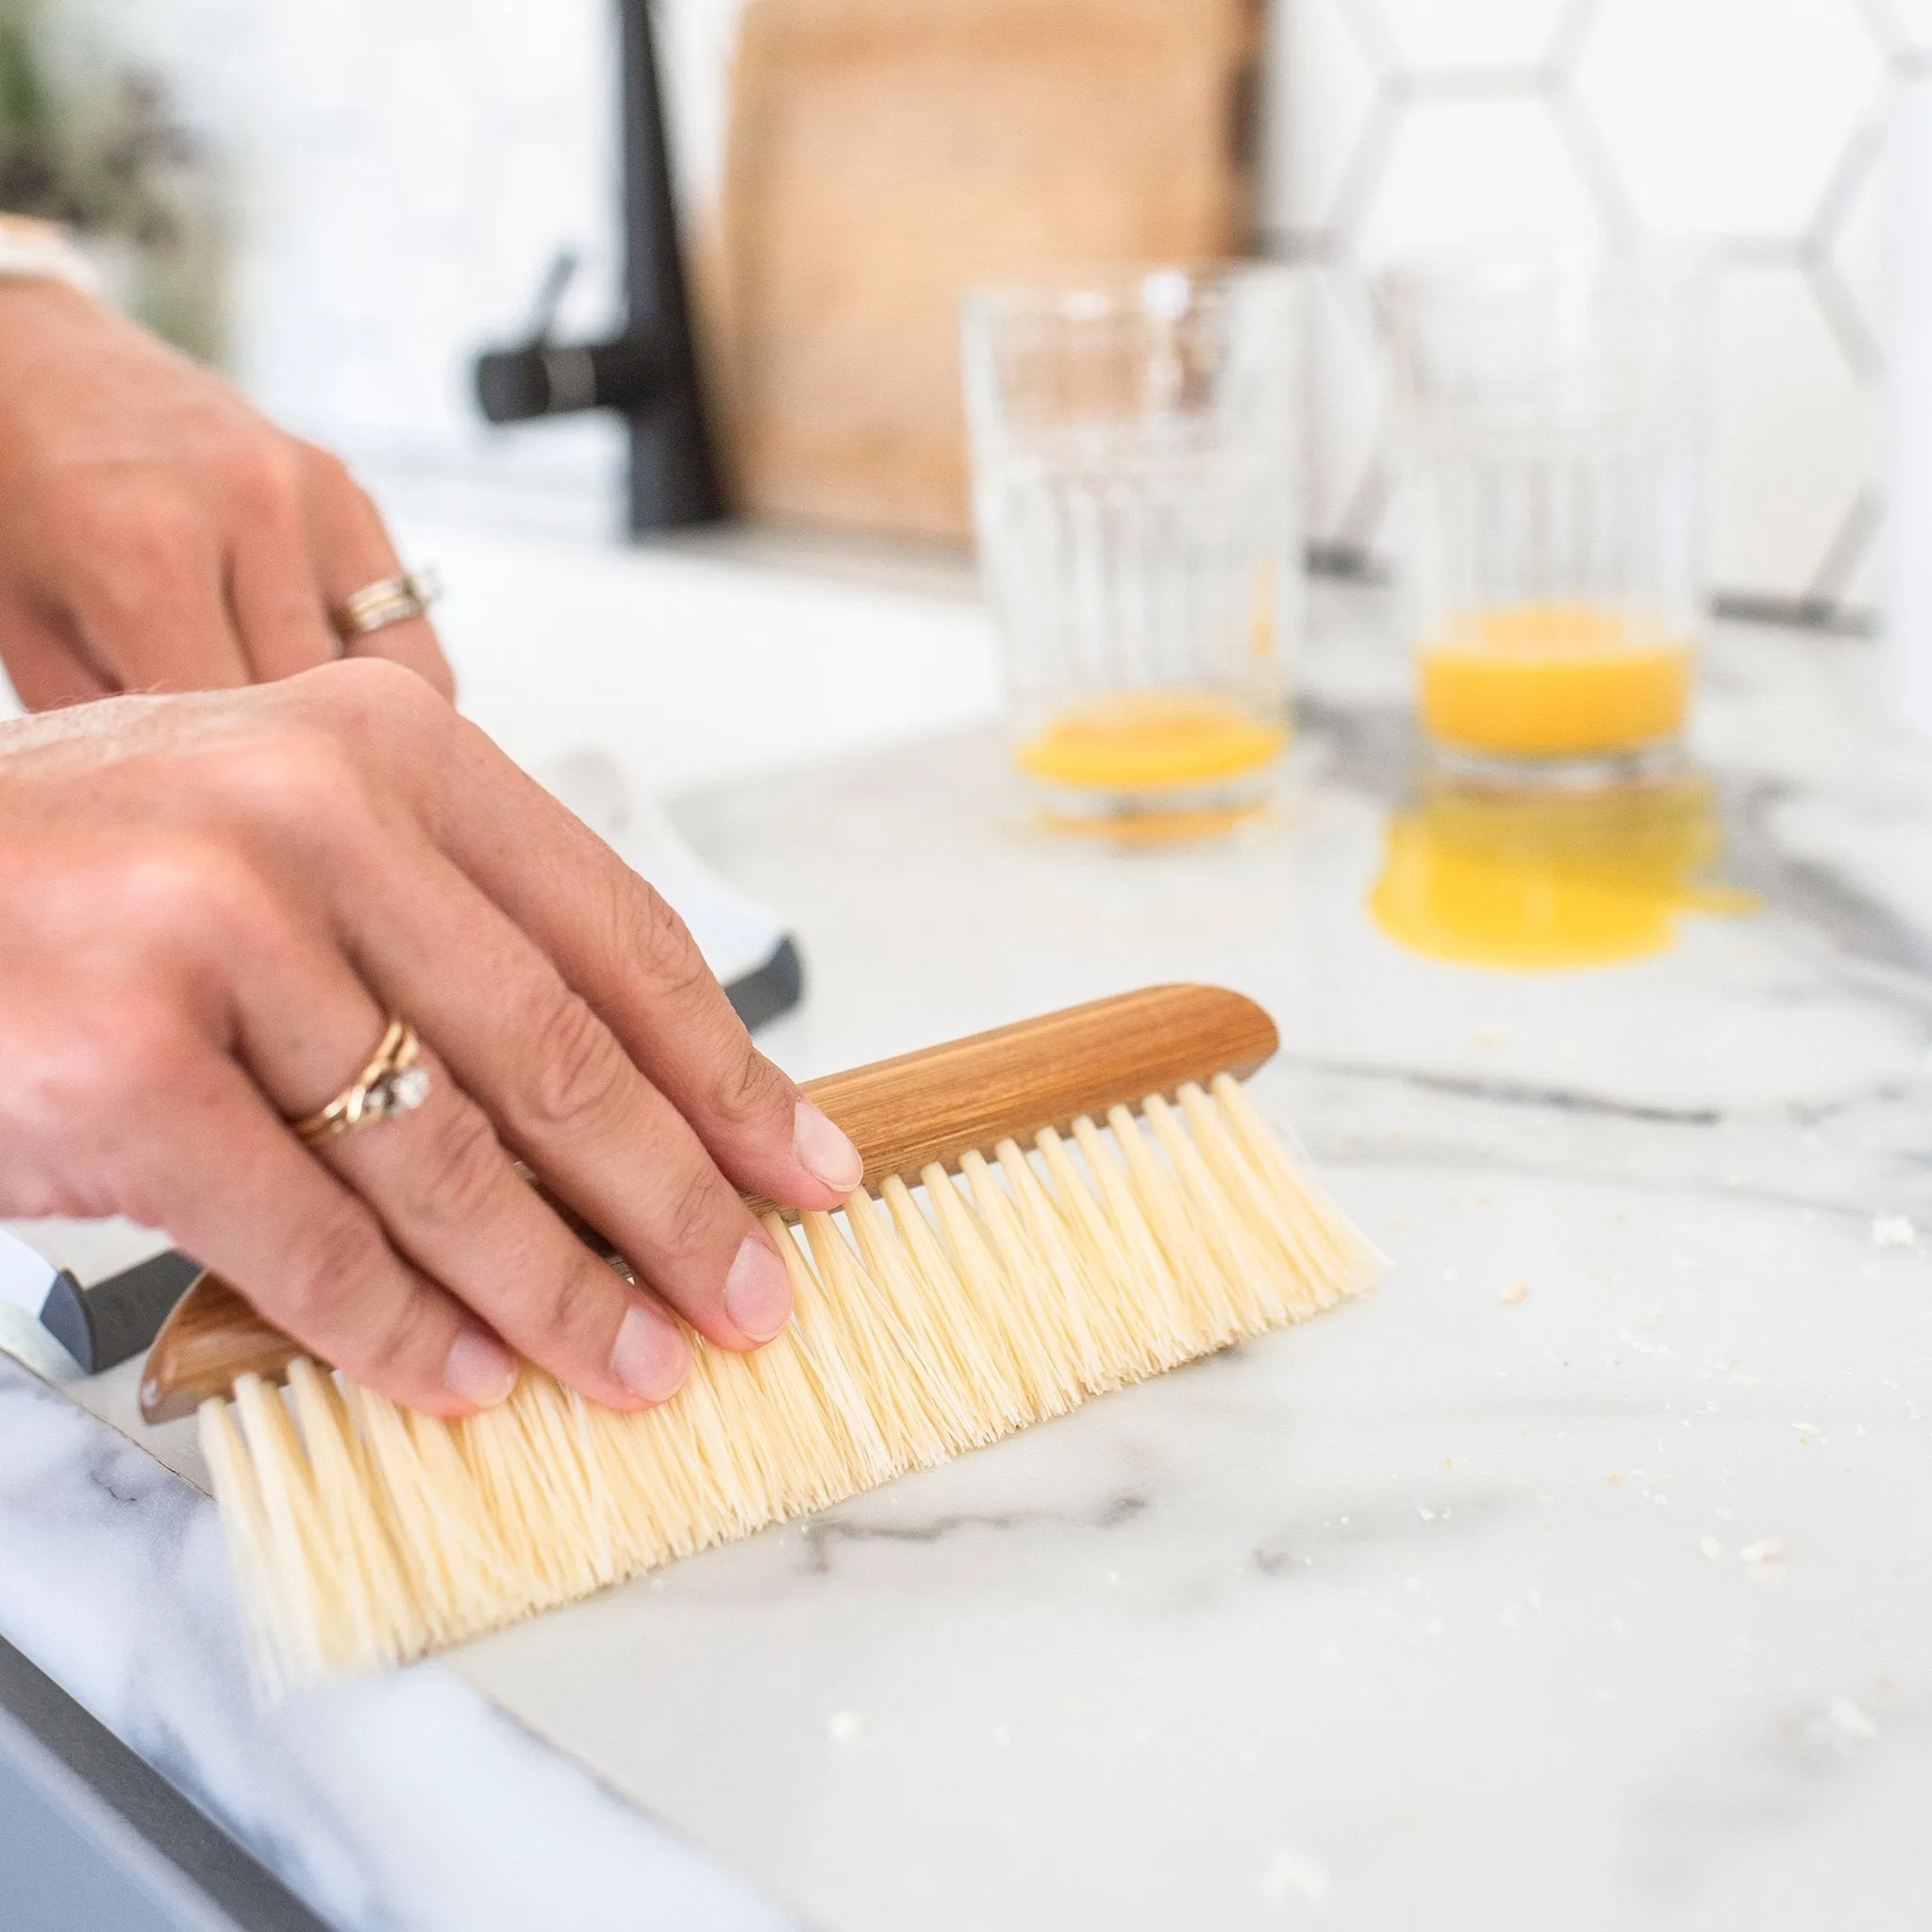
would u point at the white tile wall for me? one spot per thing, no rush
(401, 172)
(404, 168)
(1751, 124)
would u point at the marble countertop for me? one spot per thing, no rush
(1579, 1576)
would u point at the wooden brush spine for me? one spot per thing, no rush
(936, 1105)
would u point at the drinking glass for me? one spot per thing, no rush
(1134, 449)
(1550, 410)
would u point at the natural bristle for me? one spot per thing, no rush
(363, 1534)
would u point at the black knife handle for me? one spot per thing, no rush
(103, 1325)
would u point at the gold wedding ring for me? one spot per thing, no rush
(391, 1083)
(390, 600)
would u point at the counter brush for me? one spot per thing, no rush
(1049, 1210)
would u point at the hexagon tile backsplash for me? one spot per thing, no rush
(1756, 124)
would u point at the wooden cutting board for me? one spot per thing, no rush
(885, 155)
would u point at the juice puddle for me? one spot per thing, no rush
(1150, 742)
(1542, 881)
(1553, 680)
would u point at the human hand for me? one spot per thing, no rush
(208, 907)
(155, 532)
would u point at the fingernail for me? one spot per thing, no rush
(480, 1370)
(758, 1291)
(649, 1356)
(825, 1151)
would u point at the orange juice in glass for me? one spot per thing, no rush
(1552, 412)
(1133, 437)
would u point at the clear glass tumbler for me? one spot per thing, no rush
(1134, 460)
(1552, 422)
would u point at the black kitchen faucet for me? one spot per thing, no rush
(649, 371)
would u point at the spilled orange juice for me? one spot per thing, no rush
(1156, 741)
(1554, 680)
(1541, 880)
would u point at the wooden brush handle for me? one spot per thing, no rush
(207, 1343)
(901, 1114)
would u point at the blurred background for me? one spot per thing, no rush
(341, 202)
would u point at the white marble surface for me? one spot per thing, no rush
(697, 660)
(708, 657)
(1606, 1606)
(407, 1801)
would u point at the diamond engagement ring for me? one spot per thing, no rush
(391, 1083)
(389, 600)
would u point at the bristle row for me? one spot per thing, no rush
(364, 1535)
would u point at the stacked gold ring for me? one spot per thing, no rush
(390, 600)
(391, 1083)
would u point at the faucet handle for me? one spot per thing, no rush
(541, 376)
(550, 293)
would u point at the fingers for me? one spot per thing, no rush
(611, 939)
(242, 1195)
(352, 551)
(668, 1006)
(151, 606)
(226, 569)
(615, 941)
(46, 670)
(279, 605)
(446, 1195)
(566, 1095)
(444, 1189)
